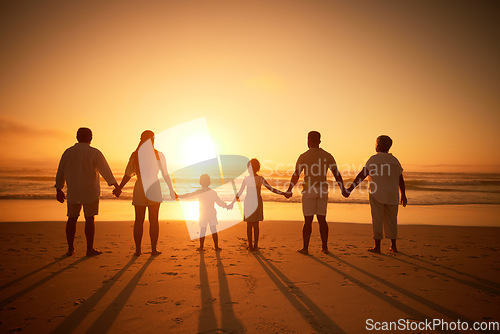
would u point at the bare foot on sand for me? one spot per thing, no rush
(217, 249)
(325, 251)
(374, 250)
(200, 249)
(137, 253)
(70, 252)
(155, 253)
(393, 249)
(303, 251)
(93, 252)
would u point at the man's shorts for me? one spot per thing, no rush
(89, 209)
(314, 204)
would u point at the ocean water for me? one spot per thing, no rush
(421, 188)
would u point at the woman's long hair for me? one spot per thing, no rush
(145, 136)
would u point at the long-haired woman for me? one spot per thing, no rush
(140, 201)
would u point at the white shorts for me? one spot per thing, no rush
(314, 204)
(384, 219)
(89, 209)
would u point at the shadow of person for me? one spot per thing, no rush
(9, 284)
(491, 284)
(72, 321)
(311, 312)
(109, 315)
(35, 285)
(229, 321)
(415, 314)
(207, 322)
(471, 284)
(430, 304)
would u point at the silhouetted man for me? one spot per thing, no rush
(315, 163)
(80, 167)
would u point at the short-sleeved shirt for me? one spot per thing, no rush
(384, 171)
(315, 162)
(79, 167)
(207, 198)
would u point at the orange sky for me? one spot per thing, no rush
(263, 74)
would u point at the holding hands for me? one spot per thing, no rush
(173, 195)
(117, 191)
(346, 192)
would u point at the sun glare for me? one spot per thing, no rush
(186, 144)
(198, 147)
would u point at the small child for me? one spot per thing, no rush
(208, 214)
(386, 175)
(253, 206)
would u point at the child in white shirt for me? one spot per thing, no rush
(208, 214)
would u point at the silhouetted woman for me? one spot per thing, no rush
(140, 201)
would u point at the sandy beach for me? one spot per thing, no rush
(443, 272)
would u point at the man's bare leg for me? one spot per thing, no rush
(89, 233)
(375, 249)
(323, 231)
(70, 234)
(306, 234)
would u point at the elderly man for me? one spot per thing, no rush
(80, 167)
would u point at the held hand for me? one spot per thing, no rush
(404, 201)
(288, 194)
(60, 196)
(117, 192)
(174, 195)
(345, 193)
(351, 188)
(230, 206)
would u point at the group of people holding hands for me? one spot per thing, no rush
(81, 164)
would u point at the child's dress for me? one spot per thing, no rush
(253, 206)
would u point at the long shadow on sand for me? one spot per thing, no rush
(465, 282)
(72, 321)
(35, 285)
(318, 320)
(229, 320)
(430, 304)
(207, 322)
(487, 284)
(9, 284)
(415, 314)
(109, 315)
